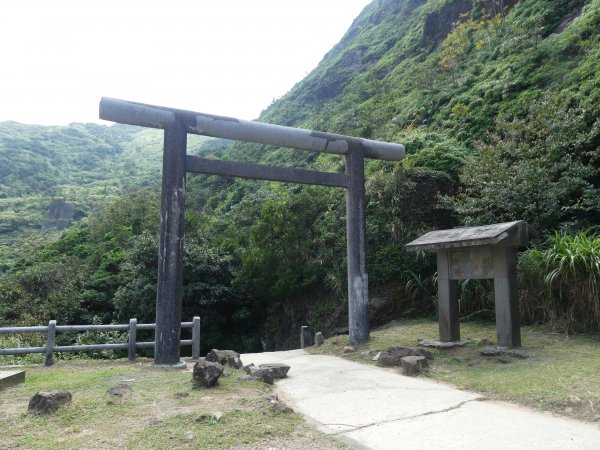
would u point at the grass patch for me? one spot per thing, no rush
(160, 413)
(561, 375)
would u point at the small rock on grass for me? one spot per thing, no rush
(47, 402)
(210, 417)
(122, 390)
(392, 356)
(247, 368)
(278, 405)
(225, 358)
(413, 365)
(206, 374)
(349, 349)
(278, 370)
(258, 374)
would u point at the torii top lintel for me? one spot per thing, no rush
(152, 116)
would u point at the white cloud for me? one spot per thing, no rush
(229, 57)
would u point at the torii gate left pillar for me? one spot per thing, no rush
(170, 250)
(176, 124)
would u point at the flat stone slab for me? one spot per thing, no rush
(501, 351)
(11, 378)
(441, 345)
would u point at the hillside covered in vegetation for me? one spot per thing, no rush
(497, 102)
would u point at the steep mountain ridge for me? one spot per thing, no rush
(386, 67)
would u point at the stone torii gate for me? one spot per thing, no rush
(176, 125)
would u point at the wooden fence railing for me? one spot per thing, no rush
(131, 345)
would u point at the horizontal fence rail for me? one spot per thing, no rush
(131, 345)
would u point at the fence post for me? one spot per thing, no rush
(196, 338)
(50, 342)
(304, 336)
(131, 355)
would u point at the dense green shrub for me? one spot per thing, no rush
(560, 283)
(541, 167)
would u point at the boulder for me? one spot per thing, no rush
(254, 373)
(206, 373)
(225, 358)
(48, 402)
(413, 365)
(277, 370)
(392, 356)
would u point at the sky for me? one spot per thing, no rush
(225, 57)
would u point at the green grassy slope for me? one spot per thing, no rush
(496, 101)
(89, 164)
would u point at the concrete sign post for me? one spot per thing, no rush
(177, 123)
(485, 252)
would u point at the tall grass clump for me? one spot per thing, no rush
(560, 284)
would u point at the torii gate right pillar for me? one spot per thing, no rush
(356, 242)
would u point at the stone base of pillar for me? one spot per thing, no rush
(179, 365)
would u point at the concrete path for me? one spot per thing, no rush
(373, 408)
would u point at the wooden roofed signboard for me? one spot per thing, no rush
(481, 252)
(507, 233)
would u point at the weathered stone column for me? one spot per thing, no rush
(170, 258)
(356, 236)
